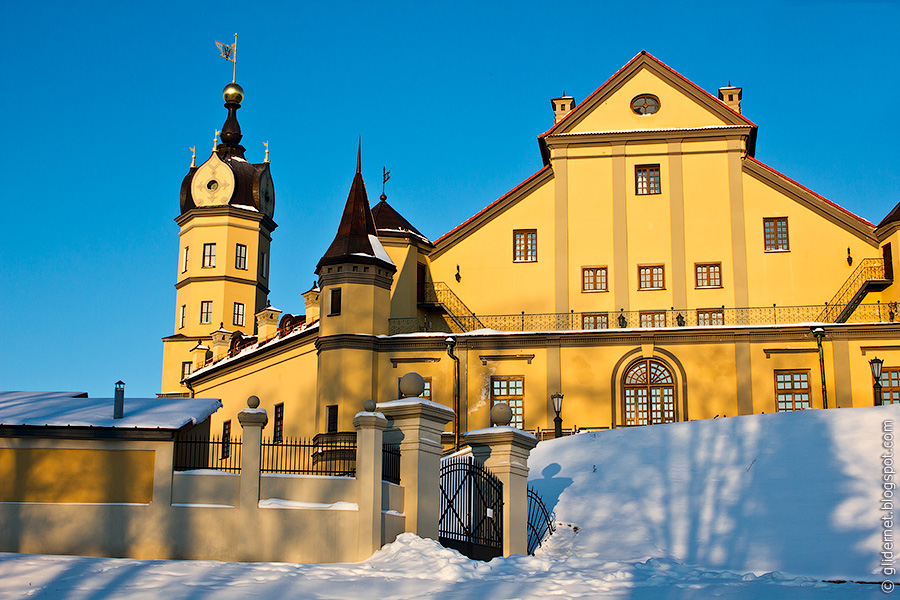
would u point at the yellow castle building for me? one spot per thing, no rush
(653, 270)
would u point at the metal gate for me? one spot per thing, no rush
(540, 521)
(471, 509)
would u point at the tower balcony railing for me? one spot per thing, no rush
(646, 319)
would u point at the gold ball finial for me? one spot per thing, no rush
(233, 93)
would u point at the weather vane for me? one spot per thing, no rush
(229, 52)
(385, 174)
(266, 144)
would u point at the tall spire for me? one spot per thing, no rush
(356, 239)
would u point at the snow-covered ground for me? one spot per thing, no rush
(765, 506)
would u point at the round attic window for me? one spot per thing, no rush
(212, 185)
(645, 104)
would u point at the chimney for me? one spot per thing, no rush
(312, 303)
(267, 323)
(731, 96)
(562, 106)
(221, 340)
(119, 402)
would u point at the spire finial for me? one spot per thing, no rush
(385, 175)
(266, 144)
(216, 140)
(359, 155)
(193, 156)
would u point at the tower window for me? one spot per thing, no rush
(646, 180)
(209, 256)
(240, 257)
(182, 313)
(206, 312)
(332, 418)
(278, 432)
(335, 308)
(184, 264)
(186, 368)
(263, 265)
(525, 245)
(238, 314)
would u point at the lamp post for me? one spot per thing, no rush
(875, 365)
(819, 332)
(557, 399)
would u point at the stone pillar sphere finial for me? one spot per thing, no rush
(369, 405)
(501, 414)
(253, 402)
(412, 385)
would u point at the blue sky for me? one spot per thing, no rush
(101, 102)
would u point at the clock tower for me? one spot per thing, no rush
(227, 206)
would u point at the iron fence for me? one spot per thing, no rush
(702, 317)
(390, 463)
(540, 521)
(208, 452)
(324, 454)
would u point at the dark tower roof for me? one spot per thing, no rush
(252, 182)
(892, 216)
(389, 222)
(357, 238)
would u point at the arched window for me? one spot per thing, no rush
(649, 394)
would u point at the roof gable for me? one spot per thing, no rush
(682, 103)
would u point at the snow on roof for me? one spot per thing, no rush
(57, 409)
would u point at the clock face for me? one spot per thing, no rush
(213, 183)
(266, 194)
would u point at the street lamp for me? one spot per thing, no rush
(557, 399)
(876, 364)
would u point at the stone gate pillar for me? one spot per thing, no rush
(504, 451)
(252, 420)
(369, 432)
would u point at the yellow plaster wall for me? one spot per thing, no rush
(676, 109)
(76, 475)
(288, 377)
(816, 265)
(485, 259)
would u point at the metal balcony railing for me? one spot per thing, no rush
(706, 317)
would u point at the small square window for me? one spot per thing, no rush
(209, 256)
(651, 277)
(594, 321)
(206, 312)
(655, 318)
(708, 275)
(715, 316)
(525, 245)
(775, 232)
(593, 279)
(240, 257)
(238, 314)
(792, 390)
(646, 180)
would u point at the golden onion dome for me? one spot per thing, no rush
(233, 93)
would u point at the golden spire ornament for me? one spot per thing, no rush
(266, 144)
(193, 156)
(215, 140)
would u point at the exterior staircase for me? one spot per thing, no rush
(872, 275)
(438, 295)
